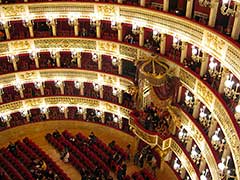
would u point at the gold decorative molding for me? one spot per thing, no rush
(128, 51)
(19, 45)
(13, 10)
(107, 46)
(203, 91)
(187, 78)
(107, 10)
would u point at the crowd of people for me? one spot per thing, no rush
(155, 119)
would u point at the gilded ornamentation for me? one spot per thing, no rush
(215, 43)
(128, 51)
(13, 106)
(206, 94)
(34, 102)
(28, 75)
(3, 47)
(107, 46)
(107, 10)
(10, 11)
(19, 45)
(65, 43)
(187, 78)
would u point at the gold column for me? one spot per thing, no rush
(202, 165)
(6, 26)
(189, 8)
(120, 67)
(142, 3)
(57, 56)
(103, 117)
(120, 97)
(119, 1)
(183, 173)
(99, 62)
(204, 64)
(213, 13)
(179, 94)
(196, 108)
(189, 144)
(163, 44)
(82, 89)
(212, 128)
(84, 114)
(184, 50)
(75, 26)
(236, 24)
(36, 62)
(54, 29)
(165, 5)
(79, 58)
(119, 29)
(225, 73)
(98, 28)
(101, 91)
(66, 113)
(62, 88)
(141, 36)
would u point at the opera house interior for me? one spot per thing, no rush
(120, 89)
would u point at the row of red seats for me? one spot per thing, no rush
(142, 175)
(51, 164)
(4, 175)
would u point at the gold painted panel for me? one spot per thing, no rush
(187, 78)
(13, 106)
(205, 93)
(19, 45)
(15, 10)
(107, 46)
(128, 51)
(107, 10)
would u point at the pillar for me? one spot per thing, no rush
(84, 114)
(15, 65)
(79, 58)
(30, 28)
(75, 26)
(189, 144)
(119, 1)
(54, 29)
(66, 113)
(213, 13)
(36, 62)
(120, 122)
(120, 97)
(99, 62)
(212, 128)
(183, 173)
(82, 89)
(204, 64)
(101, 91)
(141, 36)
(179, 94)
(103, 117)
(1, 93)
(165, 5)
(120, 32)
(226, 151)
(21, 92)
(225, 73)
(120, 67)
(47, 114)
(42, 90)
(98, 28)
(163, 44)
(184, 50)
(58, 62)
(189, 8)
(28, 116)
(196, 108)
(62, 88)
(236, 25)
(202, 165)
(6, 29)
(142, 3)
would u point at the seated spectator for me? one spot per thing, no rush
(112, 144)
(12, 147)
(92, 138)
(56, 134)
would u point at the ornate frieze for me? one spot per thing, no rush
(187, 78)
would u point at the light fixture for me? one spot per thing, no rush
(44, 109)
(177, 43)
(213, 72)
(51, 19)
(229, 89)
(34, 54)
(77, 84)
(62, 108)
(24, 112)
(223, 167)
(237, 113)
(115, 118)
(226, 8)
(98, 113)
(1, 90)
(182, 135)
(38, 84)
(204, 118)
(73, 19)
(27, 21)
(195, 154)
(114, 25)
(115, 61)
(205, 3)
(204, 175)
(189, 100)
(94, 57)
(135, 28)
(5, 24)
(196, 54)
(58, 83)
(54, 53)
(13, 57)
(93, 20)
(156, 35)
(79, 110)
(96, 87)
(177, 166)
(5, 117)
(18, 86)
(115, 91)
(217, 142)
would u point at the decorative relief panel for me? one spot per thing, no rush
(3, 48)
(16, 10)
(107, 10)
(19, 45)
(107, 46)
(13, 106)
(65, 43)
(145, 137)
(232, 59)
(128, 51)
(187, 78)
(34, 102)
(206, 94)
(60, 8)
(215, 43)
